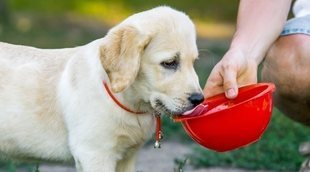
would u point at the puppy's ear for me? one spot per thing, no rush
(121, 55)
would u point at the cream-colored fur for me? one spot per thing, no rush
(53, 105)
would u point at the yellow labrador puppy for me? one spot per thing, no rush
(55, 105)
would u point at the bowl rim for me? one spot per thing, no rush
(270, 88)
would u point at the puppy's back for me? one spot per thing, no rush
(30, 119)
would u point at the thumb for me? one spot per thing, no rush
(230, 83)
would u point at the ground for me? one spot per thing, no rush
(156, 160)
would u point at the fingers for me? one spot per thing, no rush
(219, 82)
(214, 84)
(223, 78)
(210, 91)
(232, 71)
(230, 85)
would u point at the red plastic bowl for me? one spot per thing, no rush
(221, 124)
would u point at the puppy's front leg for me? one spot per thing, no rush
(92, 149)
(90, 159)
(127, 164)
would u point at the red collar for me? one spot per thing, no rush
(119, 103)
(158, 132)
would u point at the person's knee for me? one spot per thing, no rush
(287, 64)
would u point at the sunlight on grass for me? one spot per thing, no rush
(214, 30)
(210, 22)
(110, 13)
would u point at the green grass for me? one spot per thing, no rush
(11, 166)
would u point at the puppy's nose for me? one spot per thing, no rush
(196, 98)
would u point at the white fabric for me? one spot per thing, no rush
(301, 8)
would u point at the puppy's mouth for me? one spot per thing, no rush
(163, 109)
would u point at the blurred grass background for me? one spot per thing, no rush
(56, 24)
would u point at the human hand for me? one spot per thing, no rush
(234, 70)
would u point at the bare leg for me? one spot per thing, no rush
(287, 64)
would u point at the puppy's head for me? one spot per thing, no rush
(153, 53)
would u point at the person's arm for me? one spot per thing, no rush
(259, 23)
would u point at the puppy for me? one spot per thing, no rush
(55, 103)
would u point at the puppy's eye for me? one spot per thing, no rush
(170, 64)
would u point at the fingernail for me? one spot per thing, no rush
(230, 93)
